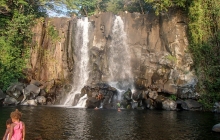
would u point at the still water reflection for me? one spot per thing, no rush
(58, 123)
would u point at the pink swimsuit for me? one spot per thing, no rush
(17, 134)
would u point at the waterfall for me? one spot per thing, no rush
(82, 101)
(81, 69)
(119, 58)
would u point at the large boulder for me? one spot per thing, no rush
(10, 101)
(32, 102)
(145, 94)
(188, 90)
(137, 96)
(15, 90)
(98, 93)
(24, 103)
(134, 105)
(127, 95)
(216, 128)
(33, 90)
(100, 85)
(153, 94)
(169, 104)
(36, 83)
(126, 104)
(159, 100)
(41, 100)
(216, 107)
(92, 102)
(149, 103)
(191, 105)
(87, 90)
(106, 104)
(102, 88)
(2, 95)
(51, 98)
(42, 92)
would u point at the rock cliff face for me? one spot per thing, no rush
(158, 48)
(48, 63)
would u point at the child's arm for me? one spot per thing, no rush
(6, 133)
(24, 131)
(11, 131)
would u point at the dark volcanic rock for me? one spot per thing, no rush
(92, 102)
(191, 105)
(36, 83)
(15, 90)
(2, 95)
(99, 93)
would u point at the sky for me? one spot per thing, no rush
(62, 8)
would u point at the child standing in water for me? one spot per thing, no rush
(17, 129)
(8, 124)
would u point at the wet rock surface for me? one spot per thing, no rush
(2, 95)
(216, 128)
(16, 90)
(216, 107)
(27, 94)
(147, 99)
(191, 105)
(169, 104)
(99, 95)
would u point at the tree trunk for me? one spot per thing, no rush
(142, 10)
(84, 10)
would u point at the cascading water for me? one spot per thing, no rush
(119, 58)
(81, 69)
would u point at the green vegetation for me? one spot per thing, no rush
(204, 36)
(164, 5)
(91, 7)
(204, 33)
(209, 99)
(173, 97)
(17, 18)
(52, 32)
(171, 58)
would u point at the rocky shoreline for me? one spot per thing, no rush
(33, 93)
(99, 95)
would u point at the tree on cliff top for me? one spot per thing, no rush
(91, 7)
(164, 5)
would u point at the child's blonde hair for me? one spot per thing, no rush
(16, 114)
